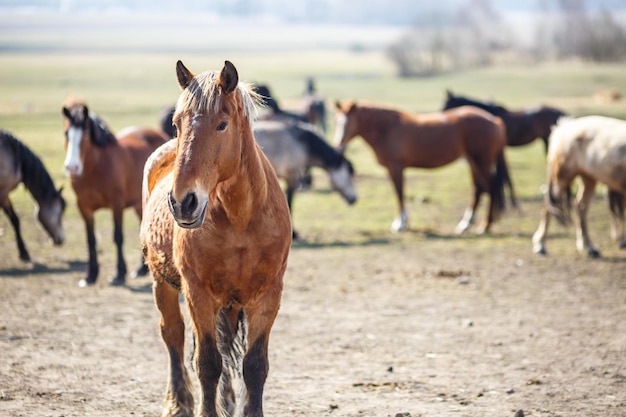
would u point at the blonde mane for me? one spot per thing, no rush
(203, 94)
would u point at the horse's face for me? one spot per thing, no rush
(76, 126)
(346, 126)
(341, 179)
(50, 215)
(210, 121)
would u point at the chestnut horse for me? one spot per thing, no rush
(217, 228)
(402, 140)
(105, 172)
(594, 149)
(18, 164)
(522, 126)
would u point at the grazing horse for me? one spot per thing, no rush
(293, 148)
(314, 106)
(594, 149)
(105, 172)
(522, 126)
(217, 228)
(19, 164)
(402, 140)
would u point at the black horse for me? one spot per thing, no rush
(522, 126)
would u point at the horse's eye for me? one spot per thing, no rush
(222, 126)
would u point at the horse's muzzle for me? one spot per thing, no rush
(189, 213)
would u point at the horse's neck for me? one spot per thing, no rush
(35, 177)
(241, 194)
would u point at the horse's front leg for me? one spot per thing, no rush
(539, 237)
(208, 359)
(15, 222)
(583, 200)
(92, 266)
(179, 398)
(289, 193)
(118, 238)
(260, 317)
(401, 223)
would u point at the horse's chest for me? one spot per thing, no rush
(228, 271)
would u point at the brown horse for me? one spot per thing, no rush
(401, 140)
(217, 228)
(18, 164)
(592, 148)
(105, 172)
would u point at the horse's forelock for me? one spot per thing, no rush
(203, 94)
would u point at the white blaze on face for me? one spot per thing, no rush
(73, 164)
(340, 128)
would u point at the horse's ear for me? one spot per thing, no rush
(449, 94)
(337, 104)
(184, 75)
(66, 112)
(229, 78)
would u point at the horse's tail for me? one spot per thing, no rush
(501, 180)
(554, 202)
(232, 344)
(616, 203)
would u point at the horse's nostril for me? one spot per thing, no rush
(189, 203)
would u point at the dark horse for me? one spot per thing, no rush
(522, 126)
(293, 148)
(402, 140)
(217, 228)
(314, 109)
(18, 164)
(105, 172)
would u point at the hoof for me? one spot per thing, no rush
(117, 282)
(539, 250)
(622, 244)
(593, 253)
(86, 282)
(142, 271)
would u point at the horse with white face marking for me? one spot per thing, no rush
(105, 171)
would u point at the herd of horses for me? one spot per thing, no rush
(215, 223)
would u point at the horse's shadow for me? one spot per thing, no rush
(39, 268)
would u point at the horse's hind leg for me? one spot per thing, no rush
(478, 189)
(118, 237)
(583, 200)
(15, 222)
(179, 399)
(401, 223)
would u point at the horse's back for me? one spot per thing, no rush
(135, 146)
(590, 145)
(10, 175)
(286, 154)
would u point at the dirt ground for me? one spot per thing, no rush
(413, 325)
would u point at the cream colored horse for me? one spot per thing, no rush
(594, 149)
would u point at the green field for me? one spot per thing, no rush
(131, 87)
